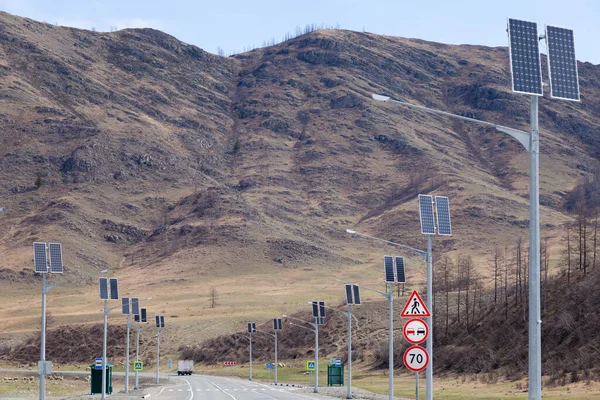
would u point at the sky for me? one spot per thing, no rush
(235, 25)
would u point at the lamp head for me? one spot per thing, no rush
(379, 97)
(104, 271)
(350, 231)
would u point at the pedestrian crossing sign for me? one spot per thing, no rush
(415, 307)
(138, 366)
(310, 365)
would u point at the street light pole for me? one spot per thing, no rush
(106, 311)
(250, 356)
(429, 368)
(137, 355)
(316, 325)
(349, 315)
(127, 355)
(157, 352)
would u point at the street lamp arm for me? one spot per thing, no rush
(520, 136)
(48, 287)
(300, 326)
(299, 320)
(366, 288)
(421, 253)
(266, 333)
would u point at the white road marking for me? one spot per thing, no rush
(191, 391)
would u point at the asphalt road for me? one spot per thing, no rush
(197, 387)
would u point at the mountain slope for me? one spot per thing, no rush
(181, 170)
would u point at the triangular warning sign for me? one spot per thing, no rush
(415, 307)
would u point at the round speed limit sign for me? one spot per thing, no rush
(416, 358)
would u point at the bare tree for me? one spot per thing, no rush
(213, 297)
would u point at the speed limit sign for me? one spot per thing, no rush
(416, 358)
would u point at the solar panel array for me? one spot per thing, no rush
(114, 288)
(525, 63)
(356, 291)
(426, 214)
(251, 327)
(56, 260)
(40, 260)
(125, 305)
(135, 306)
(143, 315)
(562, 63)
(349, 295)
(442, 213)
(104, 288)
(277, 324)
(400, 275)
(388, 265)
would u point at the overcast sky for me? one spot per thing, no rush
(236, 25)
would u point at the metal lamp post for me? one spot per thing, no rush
(41, 266)
(251, 330)
(315, 329)
(138, 319)
(160, 323)
(108, 289)
(135, 310)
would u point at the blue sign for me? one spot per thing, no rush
(310, 365)
(338, 362)
(269, 365)
(98, 363)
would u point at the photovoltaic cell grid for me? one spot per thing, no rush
(114, 288)
(125, 305)
(442, 213)
(157, 320)
(104, 288)
(525, 64)
(136, 318)
(315, 309)
(143, 316)
(135, 306)
(40, 260)
(388, 266)
(56, 260)
(426, 214)
(400, 275)
(349, 297)
(162, 321)
(356, 290)
(322, 309)
(562, 63)
(276, 324)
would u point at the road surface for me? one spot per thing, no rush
(196, 387)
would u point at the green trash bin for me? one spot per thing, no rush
(96, 379)
(335, 372)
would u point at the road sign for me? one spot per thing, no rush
(269, 365)
(229, 363)
(138, 366)
(98, 363)
(338, 362)
(415, 307)
(416, 358)
(310, 365)
(415, 331)
(170, 363)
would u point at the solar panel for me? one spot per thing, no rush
(249, 327)
(426, 214)
(388, 265)
(125, 305)
(40, 260)
(157, 320)
(321, 309)
(104, 288)
(254, 327)
(320, 320)
(356, 290)
(135, 306)
(442, 213)
(276, 324)
(162, 321)
(349, 297)
(136, 318)
(143, 316)
(315, 309)
(525, 63)
(56, 260)
(114, 288)
(562, 63)
(400, 275)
